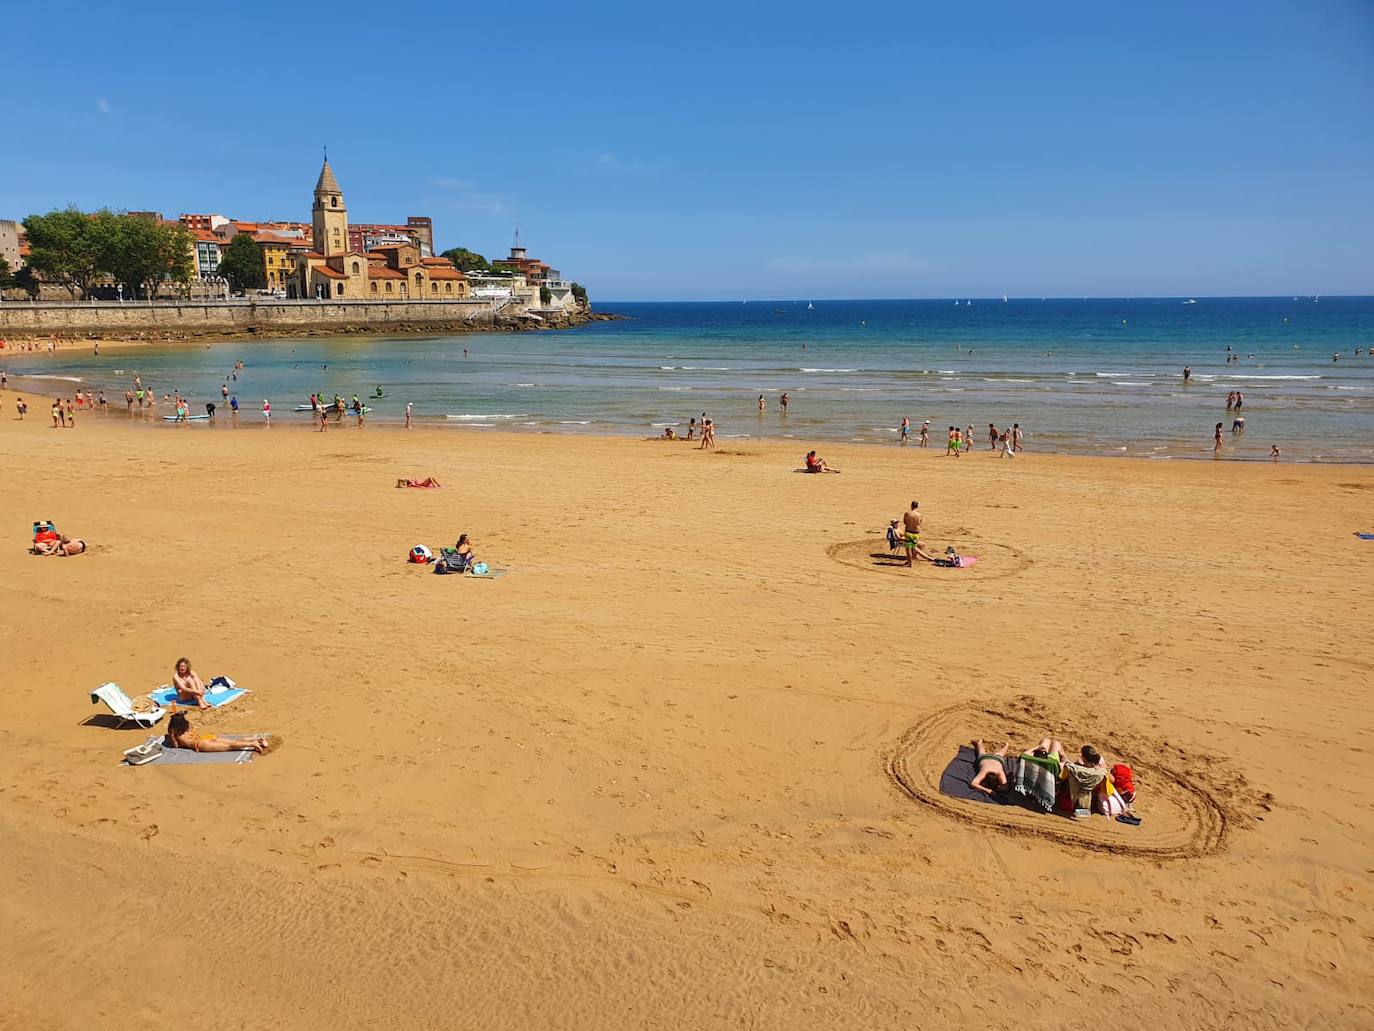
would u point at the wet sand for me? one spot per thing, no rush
(676, 768)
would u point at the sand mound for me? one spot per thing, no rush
(997, 561)
(1186, 815)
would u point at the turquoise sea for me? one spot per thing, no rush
(1101, 376)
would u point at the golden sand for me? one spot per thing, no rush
(676, 768)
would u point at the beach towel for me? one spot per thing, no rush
(1037, 780)
(960, 562)
(1083, 781)
(1365, 536)
(954, 781)
(188, 757)
(220, 691)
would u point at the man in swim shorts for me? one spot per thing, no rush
(911, 533)
(991, 768)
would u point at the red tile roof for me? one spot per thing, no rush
(329, 273)
(382, 272)
(446, 273)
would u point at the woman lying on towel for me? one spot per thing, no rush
(428, 481)
(180, 735)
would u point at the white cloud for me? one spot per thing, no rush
(468, 196)
(103, 106)
(613, 163)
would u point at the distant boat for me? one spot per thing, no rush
(1004, 298)
(1316, 298)
(1191, 300)
(810, 306)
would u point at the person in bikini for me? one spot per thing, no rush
(189, 686)
(991, 768)
(63, 546)
(180, 735)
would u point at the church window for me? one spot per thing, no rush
(448, 288)
(355, 268)
(374, 286)
(338, 289)
(333, 202)
(418, 281)
(388, 287)
(434, 288)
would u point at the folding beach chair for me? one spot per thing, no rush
(118, 703)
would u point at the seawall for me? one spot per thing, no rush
(270, 317)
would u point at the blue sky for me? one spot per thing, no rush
(741, 151)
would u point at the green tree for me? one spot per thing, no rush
(243, 264)
(65, 248)
(6, 276)
(579, 293)
(545, 296)
(27, 281)
(465, 260)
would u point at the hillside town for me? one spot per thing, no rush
(213, 256)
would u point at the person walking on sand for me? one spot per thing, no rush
(410, 411)
(905, 430)
(56, 413)
(21, 408)
(993, 436)
(1216, 440)
(1007, 451)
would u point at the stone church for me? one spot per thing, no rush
(335, 270)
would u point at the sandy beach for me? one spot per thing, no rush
(677, 767)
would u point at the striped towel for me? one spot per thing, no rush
(1037, 780)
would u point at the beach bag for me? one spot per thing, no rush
(479, 569)
(144, 753)
(421, 555)
(1123, 779)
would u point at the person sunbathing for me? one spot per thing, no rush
(189, 687)
(180, 735)
(63, 546)
(991, 767)
(428, 481)
(816, 464)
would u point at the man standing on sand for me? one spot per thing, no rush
(911, 534)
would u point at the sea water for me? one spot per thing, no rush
(1100, 376)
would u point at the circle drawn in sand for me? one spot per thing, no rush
(1184, 818)
(995, 561)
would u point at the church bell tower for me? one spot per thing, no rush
(329, 215)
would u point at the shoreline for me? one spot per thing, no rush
(250, 419)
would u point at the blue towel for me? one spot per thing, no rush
(215, 697)
(1365, 536)
(954, 781)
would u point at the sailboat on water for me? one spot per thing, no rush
(810, 306)
(1004, 298)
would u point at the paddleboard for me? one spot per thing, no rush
(189, 418)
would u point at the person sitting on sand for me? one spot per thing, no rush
(463, 549)
(669, 433)
(428, 481)
(1084, 778)
(816, 464)
(991, 776)
(180, 735)
(189, 687)
(63, 546)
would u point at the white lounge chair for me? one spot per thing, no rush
(118, 703)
